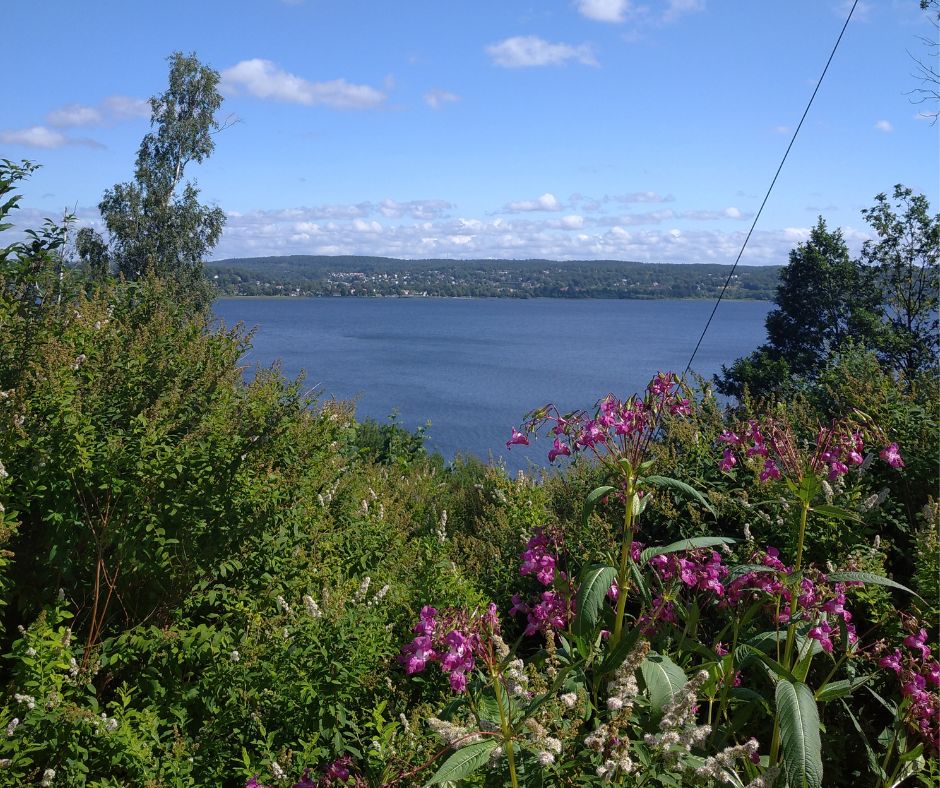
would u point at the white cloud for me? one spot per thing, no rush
(265, 80)
(679, 8)
(558, 238)
(126, 107)
(642, 197)
(109, 110)
(524, 51)
(74, 115)
(885, 126)
(573, 222)
(782, 129)
(43, 137)
(437, 98)
(710, 215)
(604, 10)
(547, 202)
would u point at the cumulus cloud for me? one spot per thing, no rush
(43, 137)
(265, 80)
(678, 8)
(559, 238)
(525, 51)
(547, 202)
(74, 115)
(436, 98)
(641, 197)
(109, 110)
(885, 126)
(710, 215)
(604, 10)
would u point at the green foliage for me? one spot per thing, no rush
(906, 256)
(156, 225)
(353, 275)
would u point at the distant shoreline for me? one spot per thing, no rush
(479, 298)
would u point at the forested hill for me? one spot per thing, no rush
(317, 275)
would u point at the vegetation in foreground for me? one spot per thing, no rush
(208, 581)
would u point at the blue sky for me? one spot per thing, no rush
(565, 129)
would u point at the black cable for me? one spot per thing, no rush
(770, 189)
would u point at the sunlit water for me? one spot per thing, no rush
(474, 367)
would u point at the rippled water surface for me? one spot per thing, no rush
(474, 367)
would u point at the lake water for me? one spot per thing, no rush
(475, 367)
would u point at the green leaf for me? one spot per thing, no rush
(663, 678)
(592, 499)
(682, 489)
(685, 544)
(595, 583)
(839, 689)
(837, 512)
(742, 652)
(465, 761)
(614, 658)
(799, 732)
(870, 578)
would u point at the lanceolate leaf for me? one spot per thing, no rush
(663, 679)
(464, 762)
(869, 578)
(799, 733)
(836, 512)
(685, 544)
(839, 689)
(683, 489)
(595, 583)
(592, 499)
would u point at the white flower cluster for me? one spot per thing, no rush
(47, 777)
(678, 731)
(282, 604)
(451, 734)
(517, 682)
(441, 530)
(234, 656)
(716, 766)
(548, 746)
(29, 700)
(12, 726)
(108, 723)
(277, 771)
(311, 606)
(363, 588)
(379, 595)
(569, 700)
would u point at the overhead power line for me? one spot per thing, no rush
(771, 187)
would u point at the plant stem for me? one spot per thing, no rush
(623, 582)
(791, 628)
(504, 726)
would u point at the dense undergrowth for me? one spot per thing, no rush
(207, 581)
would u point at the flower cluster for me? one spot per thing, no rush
(618, 428)
(818, 602)
(697, 569)
(838, 446)
(919, 675)
(454, 639)
(552, 609)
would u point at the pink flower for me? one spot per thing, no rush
(891, 455)
(917, 642)
(517, 438)
(771, 471)
(728, 461)
(558, 449)
(681, 408)
(821, 633)
(729, 437)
